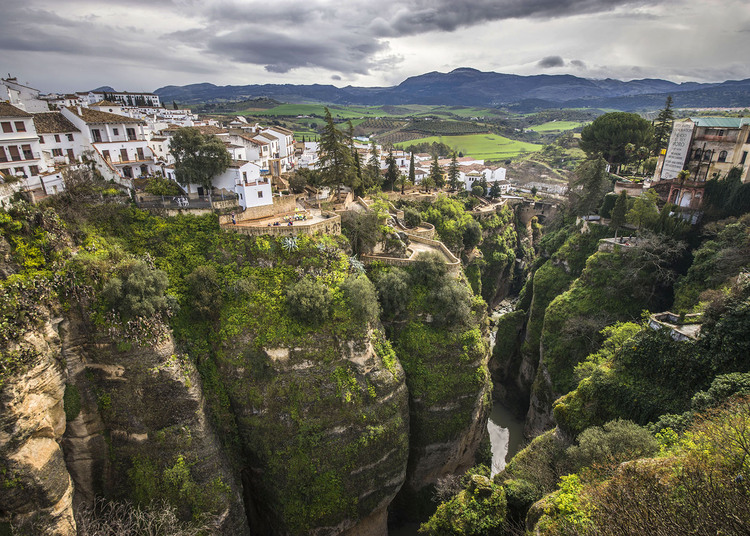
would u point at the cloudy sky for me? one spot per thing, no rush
(141, 45)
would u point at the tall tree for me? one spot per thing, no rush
(588, 185)
(336, 161)
(619, 211)
(436, 172)
(609, 134)
(644, 211)
(372, 169)
(198, 157)
(412, 173)
(358, 181)
(391, 173)
(454, 174)
(663, 127)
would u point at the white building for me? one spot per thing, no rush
(126, 98)
(23, 97)
(20, 152)
(60, 140)
(285, 150)
(120, 148)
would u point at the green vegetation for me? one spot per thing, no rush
(198, 157)
(482, 146)
(557, 126)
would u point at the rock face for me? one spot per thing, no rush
(35, 488)
(142, 432)
(324, 432)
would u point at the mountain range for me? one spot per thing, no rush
(470, 87)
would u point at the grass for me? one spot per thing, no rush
(482, 146)
(348, 112)
(556, 126)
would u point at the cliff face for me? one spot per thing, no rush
(142, 432)
(35, 488)
(324, 432)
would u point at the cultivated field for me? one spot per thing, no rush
(482, 146)
(556, 126)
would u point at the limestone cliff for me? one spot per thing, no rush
(324, 432)
(35, 488)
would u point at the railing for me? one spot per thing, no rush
(183, 201)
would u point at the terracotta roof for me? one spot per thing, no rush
(53, 123)
(95, 116)
(238, 163)
(8, 110)
(105, 103)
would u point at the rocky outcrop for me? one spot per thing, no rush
(324, 432)
(35, 488)
(142, 433)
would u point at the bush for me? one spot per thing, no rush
(428, 269)
(162, 186)
(450, 303)
(393, 292)
(412, 217)
(309, 300)
(137, 290)
(608, 446)
(204, 293)
(71, 402)
(477, 190)
(360, 294)
(472, 235)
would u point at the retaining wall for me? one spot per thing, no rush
(331, 225)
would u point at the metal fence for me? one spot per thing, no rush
(183, 201)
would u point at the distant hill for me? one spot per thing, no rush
(470, 87)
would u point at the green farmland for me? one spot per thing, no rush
(556, 126)
(482, 146)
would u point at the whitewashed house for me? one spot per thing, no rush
(60, 140)
(121, 151)
(21, 96)
(285, 139)
(20, 151)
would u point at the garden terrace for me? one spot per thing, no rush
(418, 245)
(315, 221)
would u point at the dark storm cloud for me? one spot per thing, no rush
(551, 61)
(335, 77)
(578, 63)
(348, 36)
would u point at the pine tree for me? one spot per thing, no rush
(372, 171)
(436, 173)
(336, 162)
(663, 127)
(453, 173)
(358, 182)
(391, 173)
(619, 211)
(174, 105)
(412, 173)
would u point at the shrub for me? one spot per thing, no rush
(450, 303)
(71, 402)
(204, 292)
(477, 190)
(615, 442)
(162, 186)
(137, 290)
(412, 217)
(393, 292)
(309, 300)
(428, 269)
(362, 298)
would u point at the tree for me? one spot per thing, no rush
(137, 290)
(619, 211)
(588, 185)
(412, 217)
(372, 169)
(453, 173)
(644, 211)
(336, 161)
(412, 173)
(297, 182)
(663, 127)
(394, 292)
(436, 173)
(362, 230)
(309, 300)
(204, 292)
(391, 172)
(642, 154)
(174, 105)
(495, 190)
(198, 157)
(358, 182)
(609, 134)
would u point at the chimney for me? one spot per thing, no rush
(79, 110)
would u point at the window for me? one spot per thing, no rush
(96, 135)
(7, 127)
(141, 156)
(14, 154)
(41, 140)
(19, 171)
(124, 155)
(71, 156)
(33, 170)
(27, 154)
(3, 156)
(742, 160)
(260, 194)
(244, 176)
(70, 137)
(57, 138)
(721, 133)
(723, 156)
(698, 154)
(131, 133)
(106, 156)
(20, 126)
(57, 152)
(707, 156)
(116, 131)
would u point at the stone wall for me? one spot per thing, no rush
(332, 226)
(281, 205)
